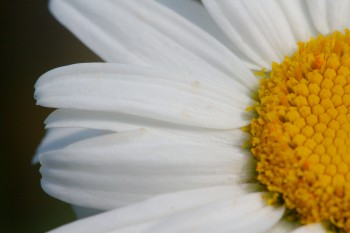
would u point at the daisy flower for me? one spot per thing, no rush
(188, 128)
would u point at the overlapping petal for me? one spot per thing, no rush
(178, 97)
(147, 33)
(311, 228)
(283, 226)
(266, 31)
(186, 212)
(102, 122)
(59, 137)
(108, 171)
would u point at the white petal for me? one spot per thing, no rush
(118, 169)
(266, 31)
(310, 228)
(186, 98)
(175, 202)
(121, 122)
(328, 16)
(146, 33)
(246, 213)
(57, 138)
(195, 12)
(318, 13)
(270, 21)
(338, 14)
(283, 226)
(299, 19)
(249, 26)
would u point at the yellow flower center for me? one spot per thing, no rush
(301, 135)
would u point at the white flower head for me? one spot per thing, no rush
(153, 137)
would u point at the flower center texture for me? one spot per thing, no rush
(300, 135)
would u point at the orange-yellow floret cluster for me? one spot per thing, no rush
(301, 136)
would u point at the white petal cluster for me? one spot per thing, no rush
(152, 137)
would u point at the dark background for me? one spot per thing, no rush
(32, 42)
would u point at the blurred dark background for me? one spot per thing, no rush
(32, 42)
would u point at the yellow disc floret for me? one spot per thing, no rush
(301, 135)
